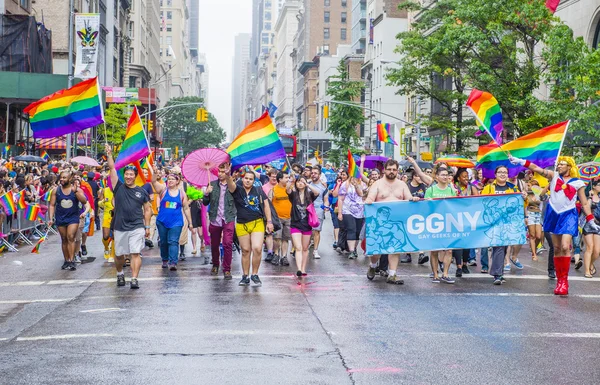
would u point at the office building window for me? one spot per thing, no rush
(115, 67)
(268, 16)
(169, 15)
(169, 3)
(169, 27)
(327, 3)
(344, 3)
(131, 30)
(267, 26)
(326, 33)
(169, 40)
(343, 34)
(327, 16)
(344, 17)
(161, 52)
(132, 81)
(130, 55)
(25, 4)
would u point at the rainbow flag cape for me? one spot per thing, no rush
(21, 204)
(8, 202)
(67, 111)
(487, 112)
(135, 145)
(353, 171)
(32, 212)
(44, 155)
(257, 144)
(383, 133)
(541, 147)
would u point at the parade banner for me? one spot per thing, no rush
(87, 27)
(442, 224)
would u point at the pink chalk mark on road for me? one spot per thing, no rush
(377, 370)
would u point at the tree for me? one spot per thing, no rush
(343, 119)
(116, 117)
(509, 48)
(181, 128)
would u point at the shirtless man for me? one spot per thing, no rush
(388, 189)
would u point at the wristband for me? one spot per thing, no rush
(527, 163)
(589, 218)
(147, 227)
(271, 222)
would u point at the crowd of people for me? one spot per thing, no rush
(281, 215)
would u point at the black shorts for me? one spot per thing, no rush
(196, 213)
(353, 227)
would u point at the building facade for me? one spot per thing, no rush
(175, 48)
(241, 59)
(285, 29)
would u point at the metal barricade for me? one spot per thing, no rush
(18, 230)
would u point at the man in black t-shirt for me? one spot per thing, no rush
(131, 220)
(417, 189)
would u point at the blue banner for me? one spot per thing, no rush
(440, 224)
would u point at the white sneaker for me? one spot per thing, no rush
(316, 255)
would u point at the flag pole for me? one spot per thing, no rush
(70, 66)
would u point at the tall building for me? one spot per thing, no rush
(285, 29)
(175, 49)
(143, 32)
(359, 26)
(241, 60)
(203, 77)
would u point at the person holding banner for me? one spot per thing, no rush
(388, 189)
(442, 189)
(561, 218)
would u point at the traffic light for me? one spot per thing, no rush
(201, 115)
(326, 111)
(150, 125)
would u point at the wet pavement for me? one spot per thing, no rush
(333, 327)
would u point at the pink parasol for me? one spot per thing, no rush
(200, 167)
(85, 160)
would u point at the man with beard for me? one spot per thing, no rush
(64, 204)
(388, 189)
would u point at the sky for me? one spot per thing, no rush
(220, 21)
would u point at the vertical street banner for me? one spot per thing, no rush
(441, 224)
(87, 34)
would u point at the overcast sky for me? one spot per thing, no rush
(220, 21)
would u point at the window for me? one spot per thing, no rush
(268, 16)
(326, 33)
(130, 30)
(267, 26)
(343, 34)
(326, 49)
(161, 52)
(265, 38)
(168, 51)
(327, 16)
(115, 67)
(132, 81)
(130, 55)
(327, 3)
(169, 40)
(169, 3)
(24, 4)
(169, 15)
(344, 17)
(169, 27)
(344, 3)
(161, 3)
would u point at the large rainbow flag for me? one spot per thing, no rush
(8, 202)
(66, 111)
(487, 113)
(257, 144)
(135, 146)
(541, 147)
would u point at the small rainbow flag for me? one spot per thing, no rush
(383, 133)
(259, 169)
(135, 145)
(32, 212)
(101, 183)
(44, 155)
(541, 147)
(597, 158)
(7, 200)
(48, 195)
(257, 144)
(285, 168)
(21, 204)
(353, 170)
(5, 151)
(487, 112)
(66, 111)
(36, 248)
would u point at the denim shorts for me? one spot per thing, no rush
(534, 218)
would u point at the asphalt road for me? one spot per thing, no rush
(336, 327)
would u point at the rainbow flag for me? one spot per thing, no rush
(597, 158)
(541, 147)
(487, 112)
(36, 248)
(48, 195)
(32, 212)
(148, 164)
(44, 155)
(285, 167)
(67, 111)
(257, 144)
(135, 145)
(21, 204)
(383, 133)
(7, 200)
(139, 180)
(259, 169)
(5, 151)
(353, 171)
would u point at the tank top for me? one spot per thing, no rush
(67, 207)
(170, 213)
(281, 202)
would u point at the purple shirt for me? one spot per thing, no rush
(353, 203)
(220, 219)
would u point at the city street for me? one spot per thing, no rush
(187, 327)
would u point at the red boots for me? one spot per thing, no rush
(562, 266)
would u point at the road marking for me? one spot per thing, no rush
(106, 310)
(62, 337)
(26, 301)
(523, 276)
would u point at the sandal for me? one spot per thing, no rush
(593, 270)
(534, 257)
(484, 271)
(588, 276)
(194, 252)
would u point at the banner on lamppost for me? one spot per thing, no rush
(87, 34)
(442, 224)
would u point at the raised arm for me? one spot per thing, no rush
(533, 167)
(158, 187)
(424, 177)
(363, 157)
(231, 186)
(114, 178)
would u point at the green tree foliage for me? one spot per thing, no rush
(181, 128)
(116, 117)
(511, 48)
(344, 120)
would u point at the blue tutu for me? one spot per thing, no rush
(563, 223)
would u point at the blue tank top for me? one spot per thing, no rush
(67, 207)
(170, 213)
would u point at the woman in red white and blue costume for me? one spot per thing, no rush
(561, 218)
